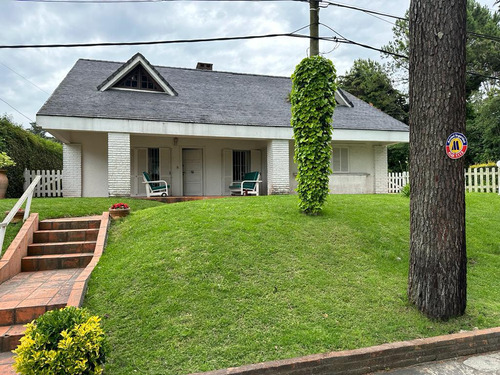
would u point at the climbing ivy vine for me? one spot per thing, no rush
(313, 102)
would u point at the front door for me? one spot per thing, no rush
(192, 171)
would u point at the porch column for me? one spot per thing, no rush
(278, 166)
(381, 169)
(72, 170)
(118, 164)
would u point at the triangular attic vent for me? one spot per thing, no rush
(137, 74)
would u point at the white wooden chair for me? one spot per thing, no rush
(249, 185)
(157, 188)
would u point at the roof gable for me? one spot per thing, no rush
(137, 74)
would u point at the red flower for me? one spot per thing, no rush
(119, 206)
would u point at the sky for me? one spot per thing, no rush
(29, 76)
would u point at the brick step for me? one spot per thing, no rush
(55, 261)
(24, 312)
(67, 235)
(10, 336)
(61, 248)
(64, 224)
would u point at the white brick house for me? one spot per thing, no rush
(200, 130)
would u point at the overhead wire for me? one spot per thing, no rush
(23, 77)
(15, 109)
(131, 1)
(176, 41)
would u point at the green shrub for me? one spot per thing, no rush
(65, 341)
(28, 151)
(405, 191)
(313, 102)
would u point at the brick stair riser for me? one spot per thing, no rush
(61, 248)
(65, 236)
(65, 225)
(23, 315)
(54, 263)
(10, 339)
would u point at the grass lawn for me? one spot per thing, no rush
(210, 284)
(48, 208)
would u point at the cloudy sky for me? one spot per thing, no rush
(29, 76)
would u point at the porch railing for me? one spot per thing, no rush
(26, 197)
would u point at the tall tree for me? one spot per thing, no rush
(437, 275)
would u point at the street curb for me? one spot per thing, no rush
(376, 358)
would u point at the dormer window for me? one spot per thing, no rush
(137, 74)
(138, 79)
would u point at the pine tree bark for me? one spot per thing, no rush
(438, 259)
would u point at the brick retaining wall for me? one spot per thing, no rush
(376, 358)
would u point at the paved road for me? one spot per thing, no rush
(485, 364)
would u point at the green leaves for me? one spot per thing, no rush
(313, 102)
(65, 341)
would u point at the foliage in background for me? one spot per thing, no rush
(61, 342)
(6, 161)
(313, 102)
(28, 151)
(483, 130)
(371, 82)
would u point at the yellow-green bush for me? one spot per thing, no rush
(484, 165)
(66, 341)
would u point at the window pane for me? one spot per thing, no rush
(154, 163)
(340, 160)
(241, 164)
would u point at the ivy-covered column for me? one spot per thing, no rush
(313, 102)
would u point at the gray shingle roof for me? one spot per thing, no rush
(206, 97)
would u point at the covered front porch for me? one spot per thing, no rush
(112, 164)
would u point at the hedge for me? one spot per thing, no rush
(28, 151)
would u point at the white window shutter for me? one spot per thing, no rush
(256, 161)
(165, 165)
(227, 170)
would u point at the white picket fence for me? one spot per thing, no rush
(480, 180)
(396, 181)
(50, 184)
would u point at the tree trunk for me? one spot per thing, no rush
(438, 259)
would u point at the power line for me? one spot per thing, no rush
(340, 5)
(20, 75)
(177, 41)
(129, 1)
(15, 109)
(484, 36)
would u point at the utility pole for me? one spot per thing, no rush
(314, 27)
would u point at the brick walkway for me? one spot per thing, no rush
(46, 267)
(42, 289)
